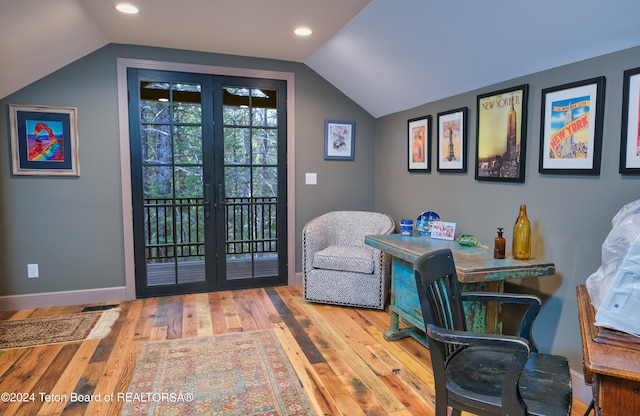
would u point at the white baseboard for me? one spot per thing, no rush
(581, 390)
(63, 298)
(295, 279)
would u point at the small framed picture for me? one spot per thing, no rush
(339, 139)
(419, 144)
(44, 140)
(443, 230)
(501, 135)
(630, 144)
(452, 141)
(571, 128)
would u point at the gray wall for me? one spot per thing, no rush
(72, 227)
(570, 215)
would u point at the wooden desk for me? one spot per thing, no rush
(477, 271)
(611, 363)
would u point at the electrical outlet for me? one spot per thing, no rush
(32, 271)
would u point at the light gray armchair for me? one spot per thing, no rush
(338, 268)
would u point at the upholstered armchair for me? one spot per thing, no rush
(338, 268)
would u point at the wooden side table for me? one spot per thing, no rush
(611, 363)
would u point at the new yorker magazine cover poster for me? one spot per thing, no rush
(501, 139)
(571, 128)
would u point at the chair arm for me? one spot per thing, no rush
(526, 324)
(520, 347)
(474, 339)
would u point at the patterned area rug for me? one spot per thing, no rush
(56, 329)
(236, 374)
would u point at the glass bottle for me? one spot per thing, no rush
(499, 247)
(522, 236)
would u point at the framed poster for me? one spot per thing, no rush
(452, 141)
(339, 139)
(44, 140)
(571, 128)
(630, 143)
(501, 135)
(419, 144)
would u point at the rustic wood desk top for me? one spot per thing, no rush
(606, 352)
(473, 264)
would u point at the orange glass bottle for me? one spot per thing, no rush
(499, 245)
(521, 249)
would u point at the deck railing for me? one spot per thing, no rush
(174, 228)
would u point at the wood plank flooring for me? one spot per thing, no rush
(341, 358)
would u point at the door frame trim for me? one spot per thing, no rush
(125, 157)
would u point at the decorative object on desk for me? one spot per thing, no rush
(571, 128)
(424, 220)
(468, 240)
(419, 144)
(443, 230)
(44, 140)
(452, 141)
(630, 146)
(521, 247)
(406, 227)
(501, 135)
(339, 140)
(499, 245)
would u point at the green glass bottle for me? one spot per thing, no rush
(521, 249)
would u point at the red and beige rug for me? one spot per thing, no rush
(56, 329)
(235, 374)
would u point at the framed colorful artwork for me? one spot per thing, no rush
(571, 128)
(44, 140)
(452, 141)
(419, 144)
(501, 135)
(630, 143)
(339, 139)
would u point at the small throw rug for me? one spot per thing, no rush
(235, 374)
(56, 329)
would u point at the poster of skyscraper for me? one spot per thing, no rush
(571, 128)
(452, 141)
(501, 135)
(630, 143)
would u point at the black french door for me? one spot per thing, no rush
(208, 163)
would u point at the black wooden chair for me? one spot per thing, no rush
(485, 374)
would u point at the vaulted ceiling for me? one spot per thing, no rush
(386, 55)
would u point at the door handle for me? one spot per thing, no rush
(220, 197)
(207, 200)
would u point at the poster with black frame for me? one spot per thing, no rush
(630, 143)
(419, 144)
(452, 141)
(501, 135)
(571, 128)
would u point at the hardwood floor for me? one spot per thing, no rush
(342, 360)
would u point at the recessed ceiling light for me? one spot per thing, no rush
(303, 31)
(127, 8)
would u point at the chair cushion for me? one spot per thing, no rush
(545, 383)
(358, 259)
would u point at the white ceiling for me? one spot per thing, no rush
(386, 55)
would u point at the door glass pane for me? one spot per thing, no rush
(265, 146)
(156, 144)
(172, 167)
(251, 182)
(237, 145)
(188, 144)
